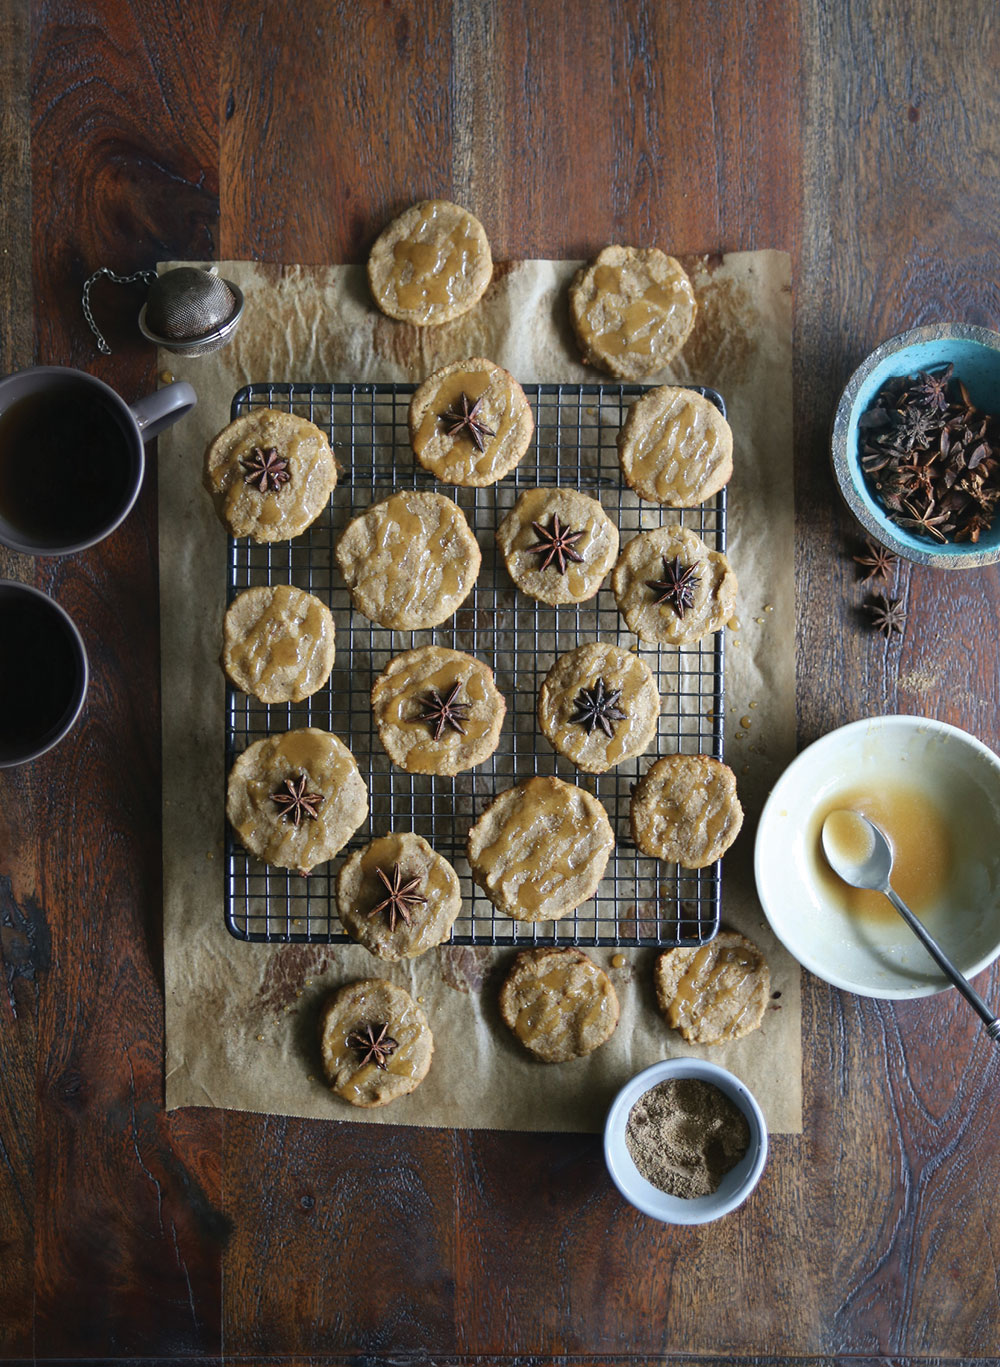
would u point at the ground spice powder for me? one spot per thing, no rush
(684, 1135)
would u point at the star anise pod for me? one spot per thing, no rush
(294, 802)
(466, 419)
(445, 712)
(598, 706)
(933, 389)
(266, 469)
(928, 521)
(556, 543)
(403, 896)
(888, 615)
(878, 561)
(373, 1043)
(677, 585)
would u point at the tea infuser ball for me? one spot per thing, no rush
(191, 311)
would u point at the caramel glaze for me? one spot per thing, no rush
(456, 460)
(285, 642)
(724, 987)
(539, 849)
(431, 266)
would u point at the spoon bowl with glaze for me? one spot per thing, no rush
(859, 852)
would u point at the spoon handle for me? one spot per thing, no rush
(945, 964)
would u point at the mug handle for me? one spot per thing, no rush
(162, 409)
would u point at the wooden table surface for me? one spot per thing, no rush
(861, 137)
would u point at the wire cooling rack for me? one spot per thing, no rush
(640, 901)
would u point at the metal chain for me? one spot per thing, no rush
(146, 277)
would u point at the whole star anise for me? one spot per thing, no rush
(878, 561)
(888, 615)
(266, 469)
(403, 896)
(556, 543)
(373, 1043)
(677, 585)
(598, 706)
(294, 802)
(467, 419)
(445, 712)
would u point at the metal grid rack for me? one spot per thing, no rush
(639, 901)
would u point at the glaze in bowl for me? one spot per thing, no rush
(975, 354)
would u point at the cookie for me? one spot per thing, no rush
(437, 710)
(671, 589)
(470, 423)
(295, 799)
(397, 897)
(278, 643)
(675, 447)
(559, 1004)
(409, 561)
(430, 264)
(632, 310)
(540, 849)
(598, 705)
(558, 545)
(375, 1042)
(270, 475)
(685, 810)
(715, 993)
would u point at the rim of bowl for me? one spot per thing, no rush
(660, 1205)
(890, 721)
(877, 525)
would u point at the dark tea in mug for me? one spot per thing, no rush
(66, 464)
(43, 673)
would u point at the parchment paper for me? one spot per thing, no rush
(241, 1018)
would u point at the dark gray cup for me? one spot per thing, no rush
(72, 456)
(43, 673)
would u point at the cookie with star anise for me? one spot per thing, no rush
(470, 423)
(270, 474)
(685, 809)
(675, 447)
(397, 896)
(671, 589)
(295, 799)
(438, 711)
(409, 561)
(558, 545)
(559, 1004)
(430, 264)
(598, 706)
(375, 1042)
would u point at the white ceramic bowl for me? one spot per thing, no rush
(734, 1188)
(883, 958)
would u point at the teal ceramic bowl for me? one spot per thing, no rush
(975, 354)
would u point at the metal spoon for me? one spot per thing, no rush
(860, 853)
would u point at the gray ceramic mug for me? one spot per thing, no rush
(43, 673)
(72, 456)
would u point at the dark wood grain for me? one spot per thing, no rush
(860, 136)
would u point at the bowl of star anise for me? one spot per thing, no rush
(916, 445)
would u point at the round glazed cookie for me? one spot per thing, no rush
(270, 475)
(559, 1004)
(675, 447)
(671, 588)
(409, 561)
(632, 310)
(278, 643)
(716, 992)
(598, 706)
(558, 545)
(295, 799)
(685, 810)
(430, 264)
(540, 849)
(437, 710)
(397, 897)
(375, 1042)
(470, 423)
